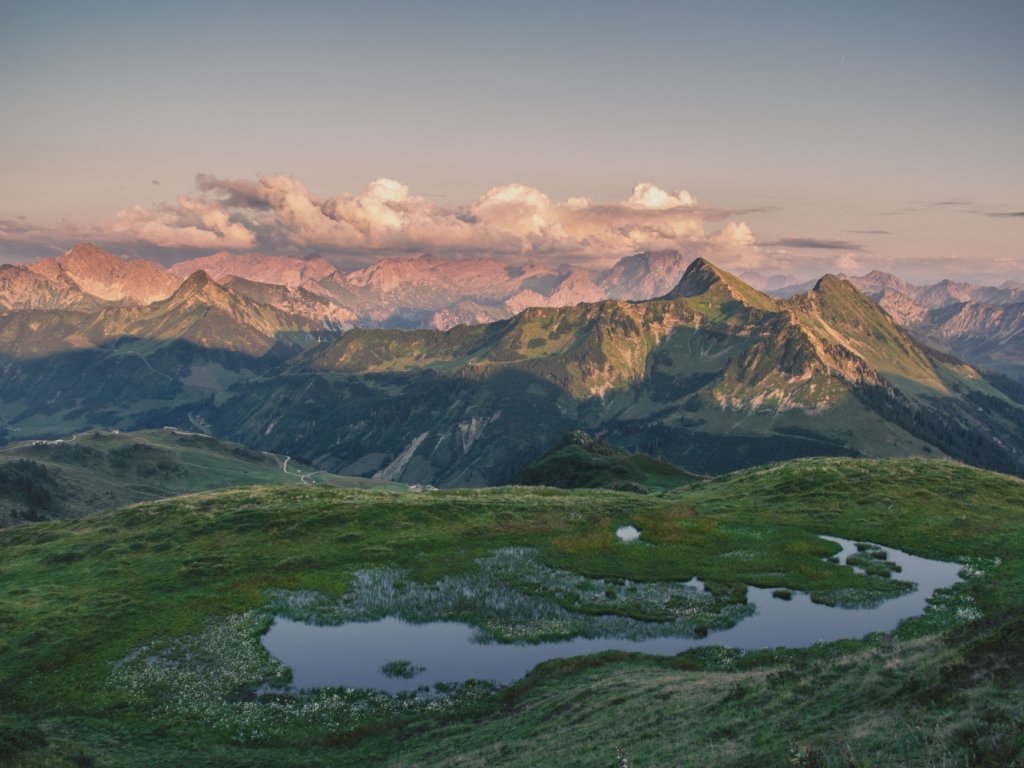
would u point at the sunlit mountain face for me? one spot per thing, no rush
(711, 373)
(511, 385)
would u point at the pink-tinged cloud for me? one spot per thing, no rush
(511, 219)
(191, 224)
(276, 212)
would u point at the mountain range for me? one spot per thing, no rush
(712, 376)
(983, 325)
(421, 292)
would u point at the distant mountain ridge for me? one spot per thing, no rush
(712, 375)
(430, 292)
(406, 292)
(980, 324)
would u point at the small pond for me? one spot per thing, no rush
(356, 654)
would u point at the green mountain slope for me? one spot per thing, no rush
(79, 596)
(715, 376)
(581, 461)
(123, 365)
(101, 470)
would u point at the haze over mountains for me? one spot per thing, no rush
(713, 376)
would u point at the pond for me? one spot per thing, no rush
(358, 654)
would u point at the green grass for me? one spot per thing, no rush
(76, 596)
(581, 461)
(101, 469)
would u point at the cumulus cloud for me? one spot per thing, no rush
(651, 197)
(190, 224)
(734, 235)
(276, 213)
(507, 219)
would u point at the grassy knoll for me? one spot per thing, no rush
(581, 461)
(77, 596)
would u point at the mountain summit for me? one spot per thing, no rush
(108, 277)
(698, 279)
(704, 279)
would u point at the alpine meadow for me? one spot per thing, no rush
(375, 391)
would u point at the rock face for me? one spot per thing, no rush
(107, 277)
(21, 288)
(990, 336)
(256, 267)
(294, 301)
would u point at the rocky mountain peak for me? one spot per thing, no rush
(697, 279)
(103, 275)
(197, 285)
(201, 289)
(830, 283)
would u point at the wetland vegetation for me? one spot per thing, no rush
(84, 602)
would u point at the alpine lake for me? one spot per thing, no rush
(385, 635)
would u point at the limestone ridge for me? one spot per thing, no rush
(21, 288)
(427, 291)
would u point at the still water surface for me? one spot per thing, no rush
(352, 654)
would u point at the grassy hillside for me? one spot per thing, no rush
(581, 461)
(101, 469)
(947, 689)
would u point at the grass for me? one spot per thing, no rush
(77, 596)
(102, 469)
(581, 461)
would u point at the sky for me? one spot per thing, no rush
(783, 137)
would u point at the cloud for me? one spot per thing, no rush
(734, 235)
(190, 224)
(276, 213)
(812, 242)
(1007, 215)
(848, 263)
(510, 219)
(868, 231)
(648, 196)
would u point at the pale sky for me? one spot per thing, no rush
(796, 137)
